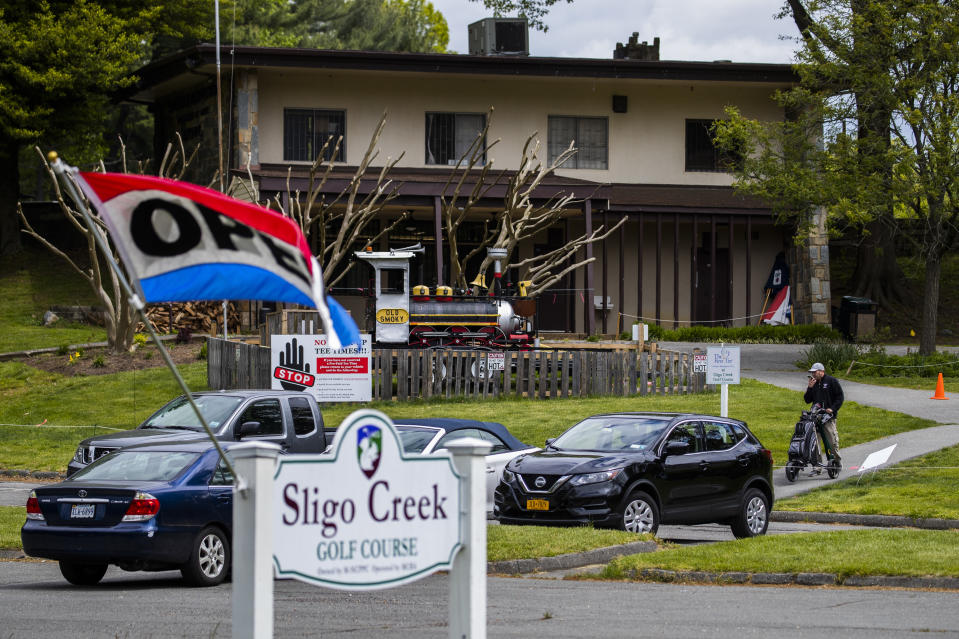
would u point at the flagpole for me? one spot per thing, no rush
(60, 170)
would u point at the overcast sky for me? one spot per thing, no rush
(737, 30)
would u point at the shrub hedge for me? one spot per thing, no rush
(765, 334)
(873, 361)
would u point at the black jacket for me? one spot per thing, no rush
(827, 393)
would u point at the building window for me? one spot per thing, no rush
(449, 136)
(701, 151)
(589, 135)
(305, 131)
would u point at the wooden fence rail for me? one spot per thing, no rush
(404, 374)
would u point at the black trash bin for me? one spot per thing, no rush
(857, 317)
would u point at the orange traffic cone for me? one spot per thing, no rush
(940, 390)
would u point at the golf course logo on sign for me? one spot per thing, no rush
(366, 516)
(369, 442)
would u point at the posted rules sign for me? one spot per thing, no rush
(307, 363)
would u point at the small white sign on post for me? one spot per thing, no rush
(699, 362)
(495, 361)
(307, 363)
(367, 516)
(722, 367)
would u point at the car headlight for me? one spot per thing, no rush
(78, 456)
(508, 476)
(594, 478)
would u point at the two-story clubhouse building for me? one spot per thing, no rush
(691, 250)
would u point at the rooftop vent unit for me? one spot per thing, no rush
(499, 36)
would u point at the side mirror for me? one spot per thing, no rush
(247, 428)
(676, 447)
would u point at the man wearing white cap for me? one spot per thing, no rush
(825, 390)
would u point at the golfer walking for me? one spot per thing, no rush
(825, 390)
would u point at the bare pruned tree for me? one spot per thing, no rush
(334, 224)
(521, 218)
(119, 316)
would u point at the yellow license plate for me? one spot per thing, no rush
(537, 504)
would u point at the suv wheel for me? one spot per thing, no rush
(753, 517)
(640, 513)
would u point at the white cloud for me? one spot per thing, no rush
(737, 30)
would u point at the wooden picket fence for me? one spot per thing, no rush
(404, 374)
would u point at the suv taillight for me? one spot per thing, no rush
(143, 507)
(768, 454)
(33, 507)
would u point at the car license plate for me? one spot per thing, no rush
(537, 504)
(82, 511)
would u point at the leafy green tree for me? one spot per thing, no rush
(834, 151)
(60, 63)
(847, 51)
(533, 10)
(371, 25)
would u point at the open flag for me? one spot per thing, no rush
(185, 242)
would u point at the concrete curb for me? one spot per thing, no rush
(571, 560)
(797, 579)
(881, 521)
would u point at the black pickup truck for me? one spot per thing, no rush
(288, 418)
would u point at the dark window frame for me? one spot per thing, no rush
(440, 150)
(302, 146)
(702, 156)
(579, 160)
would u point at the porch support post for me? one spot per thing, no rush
(639, 269)
(694, 274)
(712, 268)
(749, 267)
(590, 324)
(675, 270)
(438, 234)
(659, 267)
(605, 272)
(621, 326)
(732, 299)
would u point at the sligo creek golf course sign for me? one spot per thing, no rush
(366, 516)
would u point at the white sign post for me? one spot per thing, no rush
(307, 363)
(722, 367)
(364, 518)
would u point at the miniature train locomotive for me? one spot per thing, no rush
(422, 318)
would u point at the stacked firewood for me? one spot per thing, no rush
(191, 317)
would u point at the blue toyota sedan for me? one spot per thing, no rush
(150, 507)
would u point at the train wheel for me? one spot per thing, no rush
(416, 338)
(498, 338)
(456, 336)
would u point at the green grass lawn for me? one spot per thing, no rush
(926, 486)
(11, 519)
(771, 413)
(31, 282)
(847, 552)
(122, 400)
(525, 542)
(951, 384)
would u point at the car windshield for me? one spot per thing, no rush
(613, 433)
(415, 440)
(179, 414)
(136, 465)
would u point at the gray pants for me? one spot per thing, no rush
(831, 434)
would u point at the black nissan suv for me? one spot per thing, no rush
(636, 470)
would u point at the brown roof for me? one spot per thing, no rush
(418, 186)
(182, 67)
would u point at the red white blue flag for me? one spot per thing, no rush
(185, 242)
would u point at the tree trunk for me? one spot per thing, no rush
(9, 195)
(877, 274)
(930, 305)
